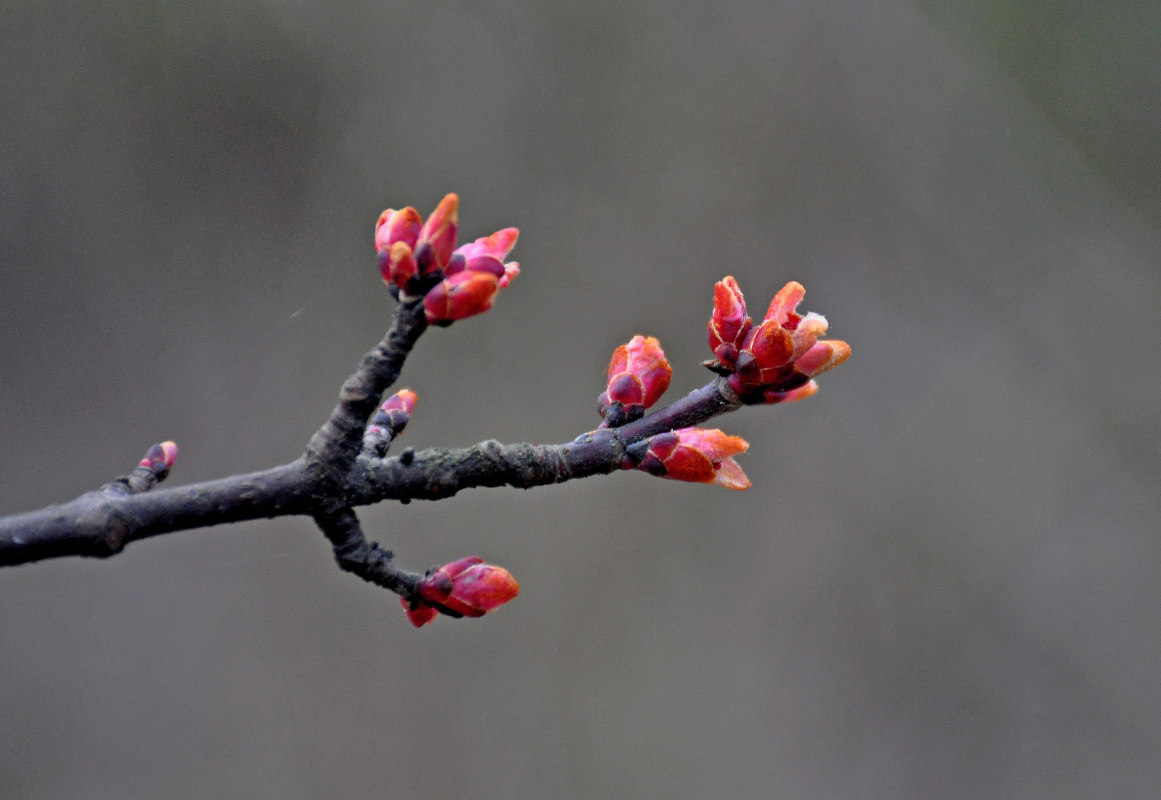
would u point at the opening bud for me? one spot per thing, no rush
(459, 296)
(698, 455)
(728, 324)
(770, 363)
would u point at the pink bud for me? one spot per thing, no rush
(397, 226)
(439, 231)
(487, 254)
(773, 361)
(697, 455)
(160, 458)
(403, 400)
(511, 270)
(169, 453)
(785, 301)
(160, 455)
(481, 263)
(468, 587)
(397, 265)
(729, 324)
(821, 357)
(639, 374)
(459, 296)
(498, 245)
(395, 412)
(410, 248)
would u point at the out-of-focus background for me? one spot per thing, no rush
(945, 581)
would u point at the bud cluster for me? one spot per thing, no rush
(420, 259)
(777, 361)
(774, 361)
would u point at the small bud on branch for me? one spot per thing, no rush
(160, 459)
(388, 422)
(692, 454)
(464, 588)
(638, 375)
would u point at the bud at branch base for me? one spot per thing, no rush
(728, 324)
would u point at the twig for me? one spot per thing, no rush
(345, 463)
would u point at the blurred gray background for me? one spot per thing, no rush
(944, 582)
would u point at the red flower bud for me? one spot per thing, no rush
(397, 226)
(729, 324)
(638, 375)
(439, 231)
(698, 455)
(497, 246)
(467, 587)
(771, 362)
(410, 249)
(397, 265)
(461, 295)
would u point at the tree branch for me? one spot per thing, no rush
(345, 463)
(101, 524)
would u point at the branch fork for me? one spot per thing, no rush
(346, 464)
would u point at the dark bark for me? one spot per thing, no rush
(335, 474)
